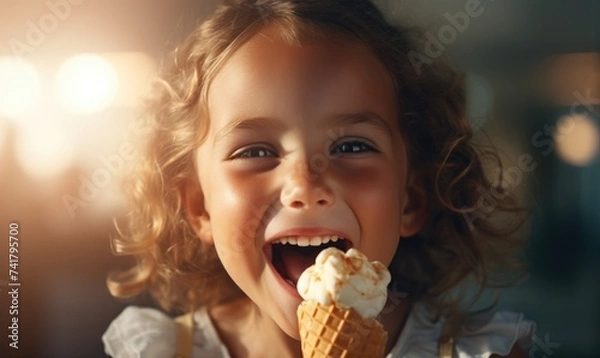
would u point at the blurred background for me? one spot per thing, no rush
(71, 76)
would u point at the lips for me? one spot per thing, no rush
(291, 255)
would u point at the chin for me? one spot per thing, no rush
(291, 330)
(288, 323)
(285, 317)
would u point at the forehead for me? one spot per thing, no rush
(269, 76)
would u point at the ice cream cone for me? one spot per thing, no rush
(332, 331)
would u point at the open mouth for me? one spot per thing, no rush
(291, 256)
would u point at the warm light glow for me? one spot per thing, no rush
(19, 87)
(3, 135)
(577, 139)
(44, 150)
(135, 70)
(571, 79)
(86, 83)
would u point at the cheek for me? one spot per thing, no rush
(374, 195)
(237, 210)
(232, 190)
(375, 186)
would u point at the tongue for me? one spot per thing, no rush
(296, 261)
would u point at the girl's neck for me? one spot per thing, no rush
(393, 317)
(246, 332)
(244, 329)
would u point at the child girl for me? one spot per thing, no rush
(308, 119)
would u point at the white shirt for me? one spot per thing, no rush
(149, 333)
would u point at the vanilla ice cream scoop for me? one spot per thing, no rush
(346, 279)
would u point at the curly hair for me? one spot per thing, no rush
(461, 238)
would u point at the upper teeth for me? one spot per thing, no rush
(307, 241)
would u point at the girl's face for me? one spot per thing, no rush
(303, 143)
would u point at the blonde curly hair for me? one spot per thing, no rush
(457, 241)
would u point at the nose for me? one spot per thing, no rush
(306, 189)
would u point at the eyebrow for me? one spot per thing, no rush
(370, 118)
(262, 123)
(249, 124)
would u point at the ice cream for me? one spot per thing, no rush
(348, 279)
(343, 293)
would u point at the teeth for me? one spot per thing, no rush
(304, 241)
(316, 241)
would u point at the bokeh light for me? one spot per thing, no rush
(44, 150)
(86, 83)
(19, 86)
(136, 71)
(3, 135)
(577, 139)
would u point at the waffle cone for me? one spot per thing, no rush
(331, 331)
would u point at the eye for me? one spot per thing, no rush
(253, 152)
(352, 146)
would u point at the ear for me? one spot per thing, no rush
(192, 201)
(415, 208)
